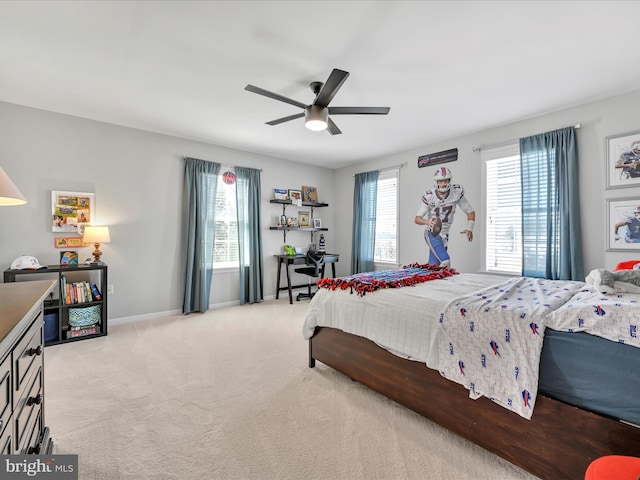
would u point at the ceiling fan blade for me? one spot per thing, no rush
(332, 128)
(331, 87)
(275, 96)
(358, 110)
(285, 119)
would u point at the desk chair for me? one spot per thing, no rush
(315, 264)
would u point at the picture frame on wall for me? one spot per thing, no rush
(71, 211)
(623, 160)
(445, 156)
(623, 224)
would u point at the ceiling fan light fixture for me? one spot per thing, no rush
(316, 118)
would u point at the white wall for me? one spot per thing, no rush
(598, 120)
(137, 177)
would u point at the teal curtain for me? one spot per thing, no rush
(551, 235)
(199, 197)
(248, 199)
(364, 222)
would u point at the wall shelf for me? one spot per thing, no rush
(285, 229)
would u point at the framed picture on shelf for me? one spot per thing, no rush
(68, 258)
(623, 224)
(303, 218)
(296, 197)
(623, 160)
(71, 211)
(280, 193)
(317, 223)
(310, 194)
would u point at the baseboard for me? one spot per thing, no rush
(169, 313)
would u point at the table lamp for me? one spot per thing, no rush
(96, 235)
(9, 193)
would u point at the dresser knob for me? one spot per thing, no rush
(37, 400)
(35, 351)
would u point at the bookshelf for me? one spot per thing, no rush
(72, 314)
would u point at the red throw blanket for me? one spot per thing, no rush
(362, 283)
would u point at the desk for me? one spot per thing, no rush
(331, 258)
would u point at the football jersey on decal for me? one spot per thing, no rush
(444, 208)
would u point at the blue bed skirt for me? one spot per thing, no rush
(592, 373)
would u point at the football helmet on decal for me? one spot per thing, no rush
(442, 174)
(636, 212)
(635, 146)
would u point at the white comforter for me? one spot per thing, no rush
(401, 320)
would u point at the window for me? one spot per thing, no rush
(386, 241)
(503, 242)
(225, 253)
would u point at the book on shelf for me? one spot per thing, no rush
(81, 332)
(96, 293)
(63, 289)
(79, 292)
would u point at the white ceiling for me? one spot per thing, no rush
(446, 68)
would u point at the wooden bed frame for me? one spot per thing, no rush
(559, 442)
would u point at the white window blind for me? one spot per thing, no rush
(226, 230)
(503, 242)
(386, 242)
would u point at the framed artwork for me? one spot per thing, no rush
(623, 224)
(439, 157)
(623, 160)
(69, 242)
(280, 193)
(310, 194)
(71, 211)
(317, 223)
(303, 218)
(68, 258)
(296, 197)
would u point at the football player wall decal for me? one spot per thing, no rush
(436, 212)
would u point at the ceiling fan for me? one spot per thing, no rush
(317, 114)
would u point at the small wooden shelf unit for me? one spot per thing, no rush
(56, 310)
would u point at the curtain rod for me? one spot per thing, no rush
(386, 168)
(222, 165)
(477, 149)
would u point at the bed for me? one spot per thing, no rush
(587, 394)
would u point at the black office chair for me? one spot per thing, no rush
(315, 265)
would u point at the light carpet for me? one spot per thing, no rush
(229, 395)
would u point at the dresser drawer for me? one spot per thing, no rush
(5, 440)
(5, 393)
(34, 445)
(27, 355)
(27, 411)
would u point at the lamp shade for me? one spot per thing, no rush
(93, 234)
(316, 117)
(9, 193)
